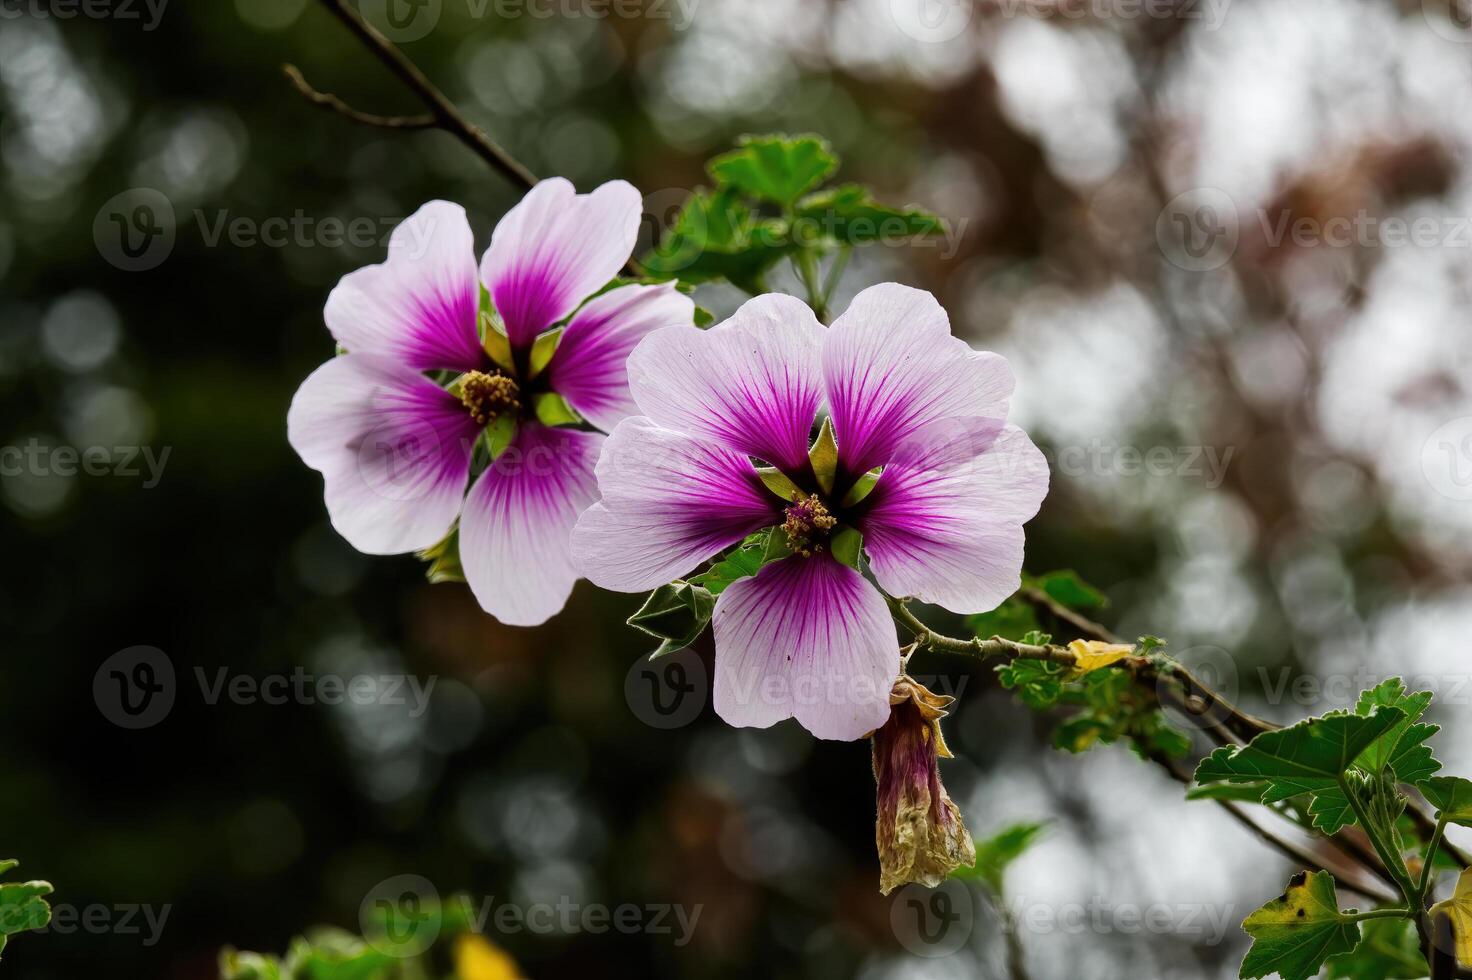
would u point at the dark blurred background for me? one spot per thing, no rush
(1141, 199)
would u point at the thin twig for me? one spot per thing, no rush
(332, 103)
(443, 114)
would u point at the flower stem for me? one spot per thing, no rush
(1390, 913)
(1425, 883)
(1387, 856)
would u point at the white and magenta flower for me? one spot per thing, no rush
(808, 636)
(393, 424)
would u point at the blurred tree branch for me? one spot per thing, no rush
(441, 115)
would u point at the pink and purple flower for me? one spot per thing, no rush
(398, 423)
(926, 468)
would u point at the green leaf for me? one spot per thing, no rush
(741, 562)
(1066, 588)
(995, 854)
(1039, 683)
(824, 457)
(1331, 810)
(716, 236)
(1012, 620)
(1308, 757)
(1293, 934)
(1452, 797)
(542, 350)
(23, 904)
(1388, 950)
(552, 409)
(444, 559)
(1402, 749)
(779, 169)
(676, 614)
(238, 965)
(849, 215)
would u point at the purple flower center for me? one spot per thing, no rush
(488, 395)
(807, 525)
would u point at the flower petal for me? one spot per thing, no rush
(590, 366)
(751, 383)
(555, 249)
(669, 503)
(891, 367)
(516, 531)
(953, 535)
(393, 447)
(806, 638)
(419, 305)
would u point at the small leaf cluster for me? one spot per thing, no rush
(327, 953)
(23, 905)
(1111, 707)
(1351, 768)
(767, 205)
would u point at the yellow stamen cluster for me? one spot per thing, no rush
(488, 395)
(808, 521)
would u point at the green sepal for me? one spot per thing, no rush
(551, 408)
(777, 546)
(498, 435)
(824, 457)
(779, 483)
(740, 562)
(495, 342)
(862, 487)
(444, 560)
(847, 546)
(542, 350)
(676, 614)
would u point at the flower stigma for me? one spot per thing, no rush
(807, 524)
(488, 395)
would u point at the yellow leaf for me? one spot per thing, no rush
(1092, 654)
(1458, 908)
(477, 958)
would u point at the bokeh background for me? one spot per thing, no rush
(1118, 177)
